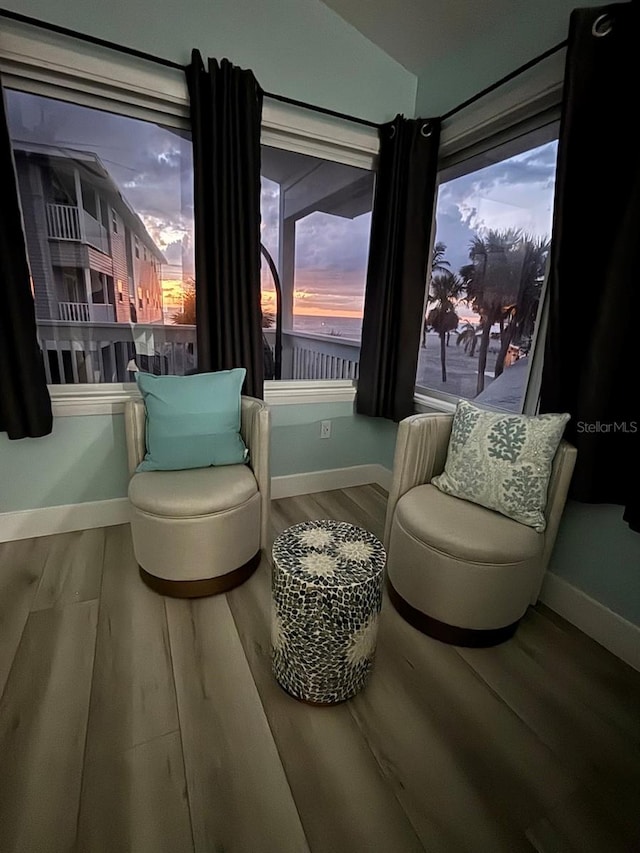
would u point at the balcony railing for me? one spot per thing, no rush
(67, 222)
(76, 312)
(81, 351)
(104, 352)
(86, 312)
(63, 222)
(309, 356)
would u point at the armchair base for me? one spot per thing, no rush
(451, 634)
(205, 586)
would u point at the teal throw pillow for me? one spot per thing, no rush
(502, 461)
(192, 421)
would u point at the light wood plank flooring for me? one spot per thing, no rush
(131, 722)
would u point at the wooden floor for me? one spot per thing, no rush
(131, 722)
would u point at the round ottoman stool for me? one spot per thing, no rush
(327, 594)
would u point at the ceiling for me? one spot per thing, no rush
(309, 184)
(459, 46)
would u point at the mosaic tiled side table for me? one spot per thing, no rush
(327, 593)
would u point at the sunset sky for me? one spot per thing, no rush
(331, 259)
(153, 167)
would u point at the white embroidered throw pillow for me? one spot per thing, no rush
(502, 461)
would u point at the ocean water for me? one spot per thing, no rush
(349, 328)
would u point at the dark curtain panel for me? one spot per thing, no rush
(226, 110)
(591, 356)
(398, 259)
(25, 407)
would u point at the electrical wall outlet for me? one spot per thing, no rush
(325, 429)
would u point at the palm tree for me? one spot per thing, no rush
(445, 287)
(533, 253)
(439, 264)
(468, 337)
(187, 317)
(492, 282)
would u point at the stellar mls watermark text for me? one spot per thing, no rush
(607, 426)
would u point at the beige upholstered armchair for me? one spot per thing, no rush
(458, 571)
(200, 531)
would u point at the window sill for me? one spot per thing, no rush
(424, 403)
(80, 400)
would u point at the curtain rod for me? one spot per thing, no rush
(65, 31)
(167, 63)
(506, 79)
(324, 110)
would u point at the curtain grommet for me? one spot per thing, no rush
(392, 132)
(426, 130)
(602, 26)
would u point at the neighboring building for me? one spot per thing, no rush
(93, 263)
(92, 259)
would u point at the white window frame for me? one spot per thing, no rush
(526, 104)
(61, 67)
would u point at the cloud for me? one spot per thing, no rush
(515, 193)
(454, 231)
(337, 293)
(325, 241)
(173, 252)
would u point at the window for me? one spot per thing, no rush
(114, 164)
(493, 226)
(316, 218)
(74, 162)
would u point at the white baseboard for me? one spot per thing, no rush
(620, 637)
(29, 523)
(290, 485)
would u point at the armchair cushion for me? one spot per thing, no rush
(436, 520)
(502, 461)
(192, 493)
(192, 421)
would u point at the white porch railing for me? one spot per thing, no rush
(309, 356)
(314, 362)
(64, 223)
(102, 352)
(86, 312)
(94, 351)
(76, 312)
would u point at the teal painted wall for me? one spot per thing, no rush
(296, 445)
(598, 553)
(84, 459)
(298, 48)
